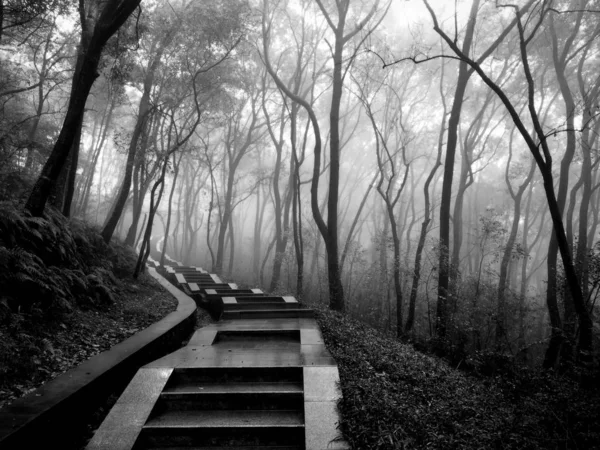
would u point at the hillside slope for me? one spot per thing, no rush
(64, 296)
(395, 397)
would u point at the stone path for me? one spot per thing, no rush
(259, 378)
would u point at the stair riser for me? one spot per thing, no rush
(234, 374)
(202, 402)
(249, 299)
(236, 293)
(195, 278)
(179, 269)
(282, 314)
(203, 286)
(259, 298)
(259, 306)
(190, 276)
(220, 437)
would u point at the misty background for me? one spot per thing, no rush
(428, 167)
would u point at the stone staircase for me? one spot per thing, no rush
(245, 407)
(259, 378)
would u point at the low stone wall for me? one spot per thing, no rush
(46, 417)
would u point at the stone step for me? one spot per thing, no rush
(260, 299)
(225, 400)
(201, 287)
(241, 306)
(184, 278)
(267, 387)
(200, 277)
(224, 428)
(234, 293)
(237, 447)
(232, 314)
(220, 375)
(227, 419)
(188, 269)
(256, 339)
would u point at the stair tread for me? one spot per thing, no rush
(227, 419)
(277, 310)
(237, 388)
(236, 447)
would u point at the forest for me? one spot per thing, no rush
(430, 168)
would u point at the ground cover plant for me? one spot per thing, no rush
(64, 296)
(35, 349)
(395, 397)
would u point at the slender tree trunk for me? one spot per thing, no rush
(140, 125)
(508, 250)
(446, 199)
(558, 338)
(170, 209)
(425, 225)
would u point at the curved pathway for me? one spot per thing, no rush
(260, 377)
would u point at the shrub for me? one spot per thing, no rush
(53, 264)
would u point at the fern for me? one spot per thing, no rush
(12, 224)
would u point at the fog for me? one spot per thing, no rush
(428, 167)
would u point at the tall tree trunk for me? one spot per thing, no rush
(94, 36)
(568, 326)
(176, 164)
(446, 200)
(427, 219)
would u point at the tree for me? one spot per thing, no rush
(537, 143)
(157, 49)
(242, 131)
(427, 207)
(329, 230)
(509, 248)
(281, 206)
(98, 23)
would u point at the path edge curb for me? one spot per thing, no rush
(49, 414)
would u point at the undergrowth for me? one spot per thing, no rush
(397, 398)
(49, 264)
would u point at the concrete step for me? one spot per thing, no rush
(169, 402)
(263, 298)
(237, 447)
(252, 340)
(180, 278)
(234, 293)
(188, 269)
(227, 419)
(201, 287)
(224, 428)
(241, 306)
(193, 277)
(232, 314)
(210, 375)
(200, 277)
(267, 387)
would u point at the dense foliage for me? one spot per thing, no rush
(64, 296)
(395, 397)
(52, 264)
